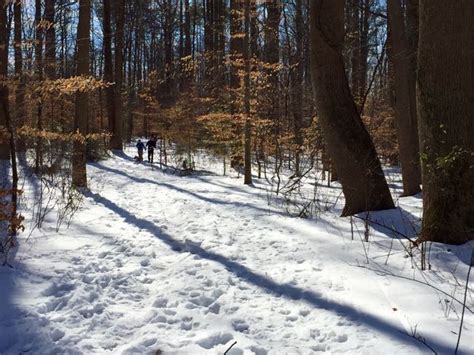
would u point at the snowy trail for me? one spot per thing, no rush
(192, 264)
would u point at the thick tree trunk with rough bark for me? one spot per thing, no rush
(79, 174)
(404, 99)
(445, 89)
(349, 144)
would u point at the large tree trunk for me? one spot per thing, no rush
(349, 144)
(116, 142)
(108, 67)
(167, 88)
(39, 76)
(4, 142)
(404, 99)
(236, 42)
(50, 43)
(79, 173)
(187, 29)
(446, 119)
(248, 129)
(298, 85)
(364, 50)
(353, 26)
(20, 91)
(7, 147)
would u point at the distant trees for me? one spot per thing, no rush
(237, 77)
(349, 144)
(446, 114)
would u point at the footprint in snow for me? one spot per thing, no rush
(240, 325)
(145, 262)
(214, 340)
(160, 302)
(258, 351)
(57, 335)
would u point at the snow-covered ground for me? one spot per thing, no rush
(192, 264)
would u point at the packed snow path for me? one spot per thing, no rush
(193, 264)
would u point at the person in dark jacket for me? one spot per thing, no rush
(140, 146)
(151, 146)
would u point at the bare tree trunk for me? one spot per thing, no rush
(39, 75)
(445, 92)
(50, 43)
(4, 142)
(248, 129)
(298, 85)
(79, 173)
(6, 122)
(116, 142)
(108, 66)
(364, 50)
(236, 43)
(20, 91)
(349, 144)
(404, 99)
(187, 29)
(354, 33)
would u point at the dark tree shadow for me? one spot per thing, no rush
(16, 326)
(286, 290)
(189, 193)
(163, 168)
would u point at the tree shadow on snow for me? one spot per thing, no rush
(163, 168)
(189, 193)
(21, 330)
(278, 289)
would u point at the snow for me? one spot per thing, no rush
(192, 264)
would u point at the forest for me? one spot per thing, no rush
(236, 176)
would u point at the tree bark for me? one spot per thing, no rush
(4, 142)
(79, 173)
(445, 89)
(364, 50)
(236, 43)
(50, 39)
(20, 91)
(116, 141)
(349, 144)
(39, 75)
(6, 122)
(404, 99)
(248, 127)
(298, 85)
(187, 29)
(108, 66)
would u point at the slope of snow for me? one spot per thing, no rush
(193, 264)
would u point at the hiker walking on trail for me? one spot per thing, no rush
(151, 146)
(140, 147)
